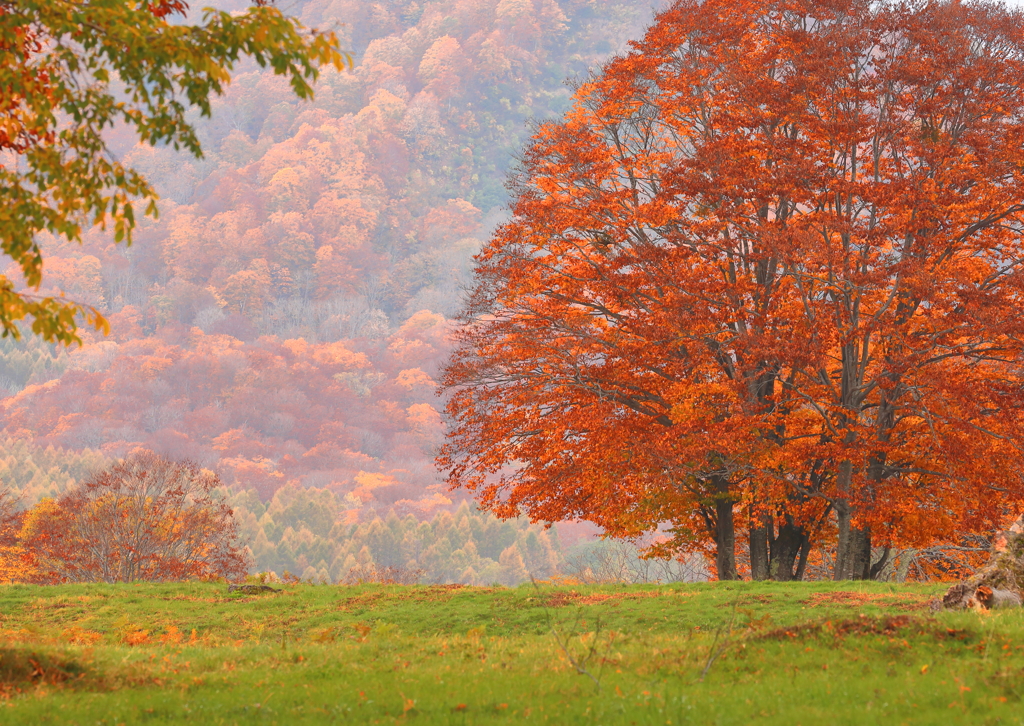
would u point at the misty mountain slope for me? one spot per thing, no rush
(283, 321)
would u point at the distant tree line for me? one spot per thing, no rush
(325, 535)
(306, 532)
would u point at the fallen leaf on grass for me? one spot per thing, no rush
(887, 625)
(137, 637)
(77, 636)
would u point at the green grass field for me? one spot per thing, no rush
(719, 653)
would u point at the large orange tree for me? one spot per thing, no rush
(764, 274)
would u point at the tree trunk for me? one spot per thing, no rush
(725, 532)
(786, 547)
(781, 557)
(759, 565)
(906, 560)
(879, 567)
(853, 551)
(801, 565)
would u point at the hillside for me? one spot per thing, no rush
(284, 320)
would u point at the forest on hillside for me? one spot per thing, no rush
(283, 321)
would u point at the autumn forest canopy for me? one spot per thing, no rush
(283, 321)
(742, 286)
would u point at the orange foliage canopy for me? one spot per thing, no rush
(765, 273)
(144, 518)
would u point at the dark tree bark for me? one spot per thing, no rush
(725, 540)
(759, 563)
(782, 555)
(801, 565)
(785, 550)
(883, 560)
(724, 529)
(717, 512)
(853, 550)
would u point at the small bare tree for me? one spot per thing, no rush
(10, 518)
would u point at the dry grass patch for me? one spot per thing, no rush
(906, 601)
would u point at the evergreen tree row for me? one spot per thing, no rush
(311, 534)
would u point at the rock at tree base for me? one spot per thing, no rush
(999, 583)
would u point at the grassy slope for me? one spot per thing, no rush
(806, 653)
